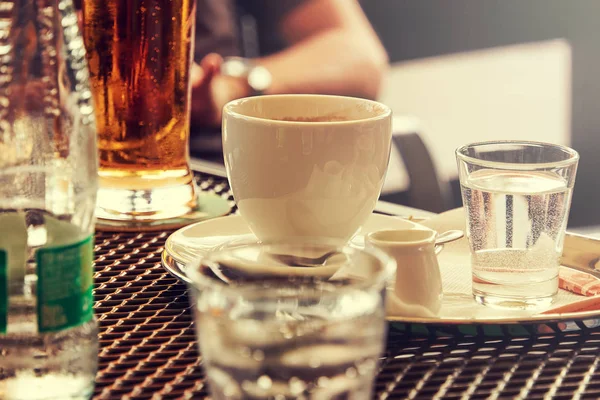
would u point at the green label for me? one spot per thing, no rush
(64, 288)
(3, 291)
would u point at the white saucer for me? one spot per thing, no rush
(460, 315)
(196, 240)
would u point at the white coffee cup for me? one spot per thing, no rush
(306, 165)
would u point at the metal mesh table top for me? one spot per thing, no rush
(148, 348)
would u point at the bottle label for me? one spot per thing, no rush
(64, 287)
(3, 291)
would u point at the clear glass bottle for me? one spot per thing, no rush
(48, 185)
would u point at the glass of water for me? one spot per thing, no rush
(517, 196)
(290, 320)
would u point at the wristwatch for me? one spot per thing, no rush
(258, 77)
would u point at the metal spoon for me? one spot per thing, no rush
(449, 236)
(299, 261)
(224, 271)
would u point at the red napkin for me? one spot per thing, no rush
(578, 282)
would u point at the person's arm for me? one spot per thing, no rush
(334, 50)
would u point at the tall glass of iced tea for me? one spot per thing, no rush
(139, 55)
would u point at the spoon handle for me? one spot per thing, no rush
(449, 236)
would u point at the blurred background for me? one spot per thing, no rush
(553, 79)
(460, 71)
(468, 70)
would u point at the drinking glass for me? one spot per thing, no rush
(517, 196)
(139, 56)
(295, 319)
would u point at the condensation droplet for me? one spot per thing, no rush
(351, 372)
(323, 381)
(245, 352)
(258, 355)
(314, 362)
(264, 382)
(297, 386)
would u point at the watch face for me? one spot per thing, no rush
(259, 78)
(235, 66)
